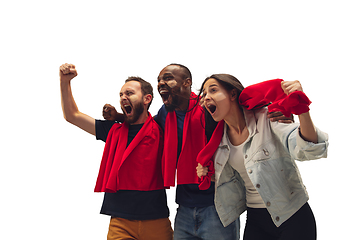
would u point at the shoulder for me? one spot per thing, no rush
(263, 123)
(103, 127)
(256, 118)
(153, 129)
(261, 113)
(162, 110)
(160, 117)
(155, 125)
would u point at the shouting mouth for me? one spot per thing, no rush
(165, 94)
(127, 108)
(211, 108)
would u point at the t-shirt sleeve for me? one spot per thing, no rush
(160, 117)
(102, 128)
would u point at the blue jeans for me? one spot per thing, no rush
(203, 223)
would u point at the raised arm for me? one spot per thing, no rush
(70, 110)
(307, 128)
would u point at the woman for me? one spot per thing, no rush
(254, 163)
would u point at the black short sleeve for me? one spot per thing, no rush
(102, 128)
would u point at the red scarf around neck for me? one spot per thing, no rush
(133, 167)
(194, 140)
(252, 97)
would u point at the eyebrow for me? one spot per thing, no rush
(213, 85)
(126, 91)
(166, 75)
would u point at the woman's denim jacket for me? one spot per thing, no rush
(269, 155)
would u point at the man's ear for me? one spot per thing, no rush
(147, 99)
(187, 82)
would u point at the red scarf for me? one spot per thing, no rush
(194, 140)
(261, 94)
(254, 96)
(135, 167)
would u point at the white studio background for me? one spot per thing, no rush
(48, 167)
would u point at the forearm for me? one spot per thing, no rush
(307, 128)
(68, 104)
(71, 111)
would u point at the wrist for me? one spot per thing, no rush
(120, 117)
(64, 82)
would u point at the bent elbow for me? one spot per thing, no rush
(69, 118)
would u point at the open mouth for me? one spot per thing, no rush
(128, 109)
(211, 108)
(164, 95)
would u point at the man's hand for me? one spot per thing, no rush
(279, 117)
(67, 72)
(109, 112)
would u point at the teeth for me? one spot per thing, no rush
(127, 108)
(163, 91)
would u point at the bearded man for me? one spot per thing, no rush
(130, 172)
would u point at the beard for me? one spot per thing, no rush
(138, 109)
(174, 103)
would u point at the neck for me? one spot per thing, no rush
(184, 104)
(142, 119)
(235, 119)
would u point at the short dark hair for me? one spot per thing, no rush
(185, 70)
(146, 87)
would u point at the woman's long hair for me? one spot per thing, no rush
(227, 81)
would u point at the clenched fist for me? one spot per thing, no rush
(109, 112)
(201, 171)
(291, 86)
(67, 72)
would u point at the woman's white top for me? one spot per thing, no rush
(236, 160)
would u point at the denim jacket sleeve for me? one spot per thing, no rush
(298, 148)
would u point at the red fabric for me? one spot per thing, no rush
(261, 94)
(205, 156)
(169, 158)
(254, 96)
(135, 167)
(194, 140)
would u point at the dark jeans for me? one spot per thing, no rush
(300, 226)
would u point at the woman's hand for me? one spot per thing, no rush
(201, 171)
(291, 86)
(307, 128)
